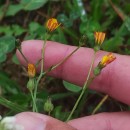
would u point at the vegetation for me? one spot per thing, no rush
(25, 19)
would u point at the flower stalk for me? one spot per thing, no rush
(99, 38)
(51, 25)
(100, 104)
(85, 86)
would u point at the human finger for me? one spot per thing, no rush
(103, 121)
(114, 79)
(34, 121)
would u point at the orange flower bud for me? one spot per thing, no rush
(107, 59)
(99, 37)
(31, 70)
(52, 24)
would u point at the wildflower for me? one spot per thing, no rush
(99, 37)
(31, 70)
(52, 24)
(107, 59)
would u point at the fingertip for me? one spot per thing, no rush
(30, 122)
(36, 121)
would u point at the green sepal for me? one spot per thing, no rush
(97, 71)
(96, 48)
(31, 84)
(48, 106)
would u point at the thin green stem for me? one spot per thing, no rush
(61, 62)
(86, 82)
(41, 72)
(34, 103)
(51, 68)
(83, 99)
(23, 55)
(100, 104)
(83, 89)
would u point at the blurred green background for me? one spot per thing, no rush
(25, 19)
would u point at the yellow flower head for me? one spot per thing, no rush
(52, 24)
(31, 70)
(99, 37)
(107, 59)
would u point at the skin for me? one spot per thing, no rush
(114, 81)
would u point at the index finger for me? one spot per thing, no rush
(113, 80)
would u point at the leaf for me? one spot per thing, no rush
(71, 87)
(59, 37)
(7, 44)
(6, 30)
(11, 105)
(119, 12)
(113, 44)
(8, 85)
(33, 26)
(13, 9)
(32, 4)
(18, 30)
(59, 96)
(127, 23)
(15, 59)
(88, 28)
(97, 12)
(62, 18)
(36, 31)
(58, 114)
(79, 10)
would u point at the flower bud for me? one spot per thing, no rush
(99, 37)
(107, 59)
(31, 84)
(97, 70)
(48, 106)
(52, 24)
(96, 48)
(31, 70)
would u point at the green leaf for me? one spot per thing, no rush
(113, 44)
(79, 10)
(59, 96)
(18, 30)
(11, 105)
(59, 114)
(62, 18)
(88, 28)
(8, 85)
(36, 31)
(7, 44)
(13, 9)
(59, 37)
(15, 59)
(127, 23)
(71, 87)
(33, 26)
(97, 11)
(6, 30)
(12, 30)
(32, 4)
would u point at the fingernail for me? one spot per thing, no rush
(9, 123)
(31, 121)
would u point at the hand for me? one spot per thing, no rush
(114, 81)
